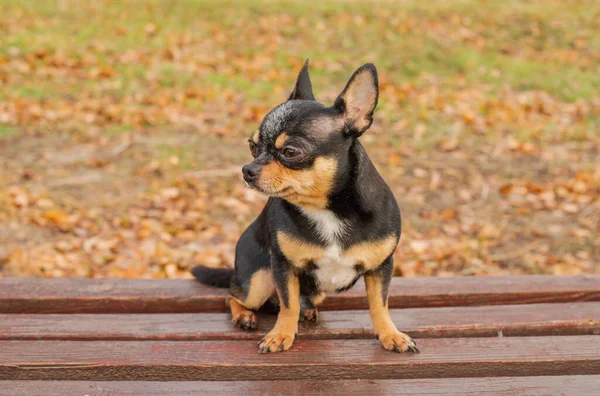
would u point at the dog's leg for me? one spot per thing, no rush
(241, 316)
(282, 336)
(377, 283)
(308, 309)
(250, 295)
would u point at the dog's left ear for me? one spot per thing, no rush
(358, 100)
(303, 88)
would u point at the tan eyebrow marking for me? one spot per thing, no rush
(255, 137)
(281, 139)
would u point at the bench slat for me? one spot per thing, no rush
(524, 386)
(512, 320)
(309, 359)
(30, 295)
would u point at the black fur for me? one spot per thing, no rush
(216, 277)
(303, 88)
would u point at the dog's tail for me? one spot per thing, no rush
(217, 277)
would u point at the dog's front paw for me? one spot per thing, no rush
(276, 341)
(245, 320)
(397, 342)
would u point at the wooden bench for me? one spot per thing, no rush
(122, 336)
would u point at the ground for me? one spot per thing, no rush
(123, 128)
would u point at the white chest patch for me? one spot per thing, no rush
(334, 272)
(330, 227)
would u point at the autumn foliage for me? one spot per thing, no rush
(123, 128)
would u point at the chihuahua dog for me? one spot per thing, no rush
(330, 217)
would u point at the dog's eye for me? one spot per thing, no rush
(252, 148)
(289, 152)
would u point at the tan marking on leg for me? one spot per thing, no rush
(297, 252)
(318, 298)
(282, 336)
(390, 338)
(371, 254)
(281, 139)
(241, 316)
(261, 288)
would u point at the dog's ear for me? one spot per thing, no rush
(358, 100)
(303, 88)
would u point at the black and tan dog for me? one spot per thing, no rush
(330, 218)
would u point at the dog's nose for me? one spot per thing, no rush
(251, 172)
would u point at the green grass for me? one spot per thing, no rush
(117, 130)
(492, 45)
(7, 130)
(34, 92)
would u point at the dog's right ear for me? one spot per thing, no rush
(303, 88)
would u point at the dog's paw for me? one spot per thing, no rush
(309, 315)
(245, 320)
(397, 342)
(276, 341)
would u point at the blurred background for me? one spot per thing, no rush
(123, 128)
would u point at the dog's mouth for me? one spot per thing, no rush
(284, 192)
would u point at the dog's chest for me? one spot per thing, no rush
(332, 264)
(335, 269)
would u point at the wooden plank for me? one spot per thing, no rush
(509, 320)
(308, 359)
(65, 295)
(584, 385)
(31, 295)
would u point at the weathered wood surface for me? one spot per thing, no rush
(584, 385)
(528, 335)
(30, 295)
(309, 359)
(486, 321)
